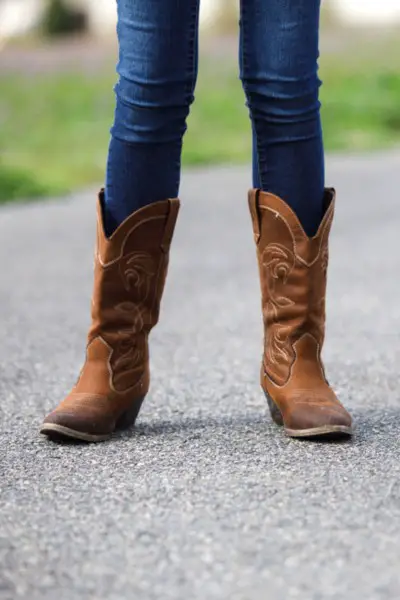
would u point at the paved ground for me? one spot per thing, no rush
(206, 499)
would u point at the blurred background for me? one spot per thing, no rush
(57, 71)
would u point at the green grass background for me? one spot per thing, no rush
(54, 128)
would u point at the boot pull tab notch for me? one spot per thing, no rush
(255, 214)
(170, 224)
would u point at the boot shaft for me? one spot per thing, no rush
(129, 277)
(293, 271)
(131, 268)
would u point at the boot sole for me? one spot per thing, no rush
(326, 431)
(60, 432)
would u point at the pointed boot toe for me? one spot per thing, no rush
(64, 423)
(315, 421)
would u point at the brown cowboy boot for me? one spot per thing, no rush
(130, 272)
(293, 270)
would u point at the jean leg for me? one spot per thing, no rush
(157, 75)
(279, 72)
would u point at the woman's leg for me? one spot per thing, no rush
(279, 51)
(157, 75)
(279, 71)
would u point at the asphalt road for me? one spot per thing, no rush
(205, 499)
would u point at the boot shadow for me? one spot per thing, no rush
(195, 426)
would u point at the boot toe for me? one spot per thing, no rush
(307, 421)
(63, 423)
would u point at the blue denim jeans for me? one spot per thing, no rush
(158, 61)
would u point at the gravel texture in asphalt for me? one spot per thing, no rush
(205, 498)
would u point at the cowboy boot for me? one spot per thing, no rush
(293, 270)
(130, 272)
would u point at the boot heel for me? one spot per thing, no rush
(128, 418)
(274, 410)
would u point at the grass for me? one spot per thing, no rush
(54, 129)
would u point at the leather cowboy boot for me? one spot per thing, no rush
(293, 270)
(130, 272)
